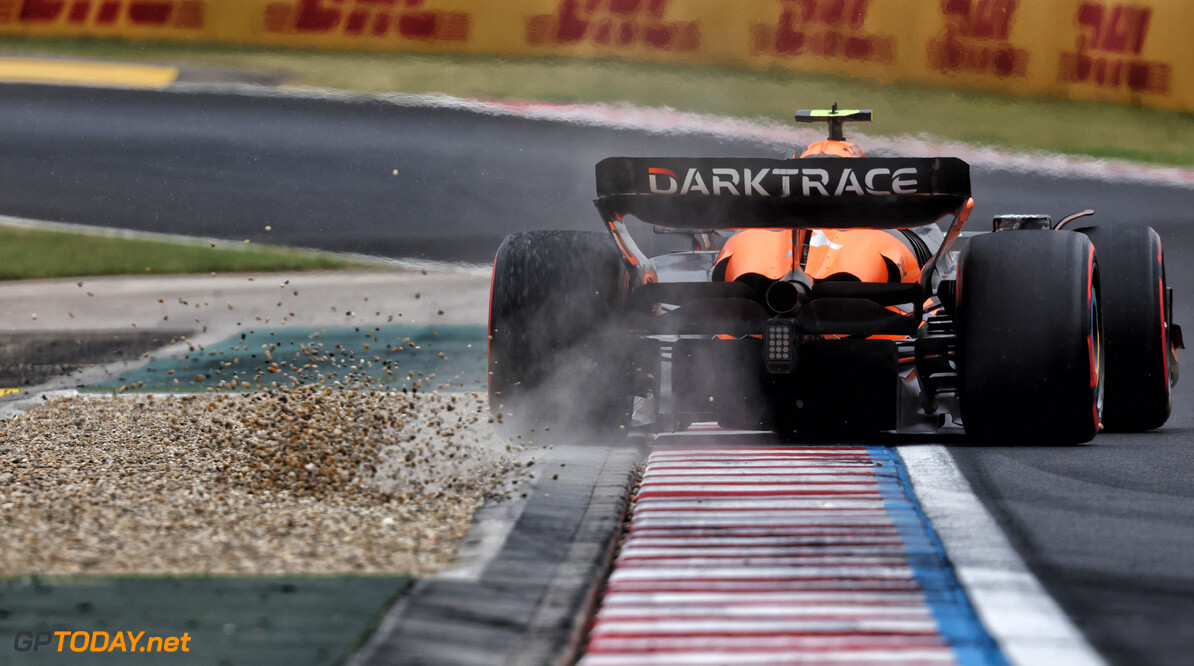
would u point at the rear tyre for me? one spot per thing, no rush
(1030, 338)
(554, 333)
(1135, 327)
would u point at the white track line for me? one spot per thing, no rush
(1029, 626)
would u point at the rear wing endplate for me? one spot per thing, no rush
(742, 193)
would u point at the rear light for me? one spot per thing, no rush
(780, 345)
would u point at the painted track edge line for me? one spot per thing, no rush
(1011, 603)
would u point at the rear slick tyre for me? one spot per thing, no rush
(1134, 326)
(554, 333)
(1030, 338)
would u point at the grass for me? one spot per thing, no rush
(1101, 130)
(37, 253)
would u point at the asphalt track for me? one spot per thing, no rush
(1108, 527)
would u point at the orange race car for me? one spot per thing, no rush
(836, 308)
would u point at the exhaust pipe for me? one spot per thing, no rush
(784, 296)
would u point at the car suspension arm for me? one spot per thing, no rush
(951, 235)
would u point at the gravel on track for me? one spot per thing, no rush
(299, 480)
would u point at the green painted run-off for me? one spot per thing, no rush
(287, 621)
(411, 354)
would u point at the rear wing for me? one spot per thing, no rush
(741, 193)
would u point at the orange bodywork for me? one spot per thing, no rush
(869, 255)
(767, 252)
(856, 252)
(861, 253)
(833, 149)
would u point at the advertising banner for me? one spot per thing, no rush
(1102, 50)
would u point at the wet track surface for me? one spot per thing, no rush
(1108, 527)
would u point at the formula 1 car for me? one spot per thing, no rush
(828, 312)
